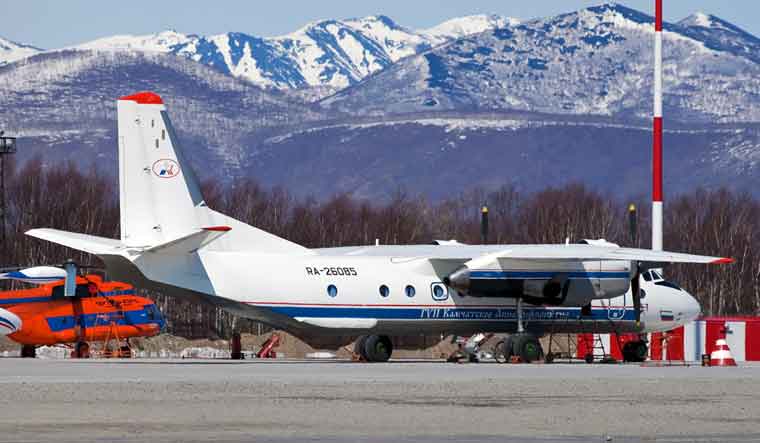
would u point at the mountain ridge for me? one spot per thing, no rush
(533, 103)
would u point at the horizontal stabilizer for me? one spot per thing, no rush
(81, 242)
(191, 242)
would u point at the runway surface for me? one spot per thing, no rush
(284, 401)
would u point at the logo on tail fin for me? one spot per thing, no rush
(166, 168)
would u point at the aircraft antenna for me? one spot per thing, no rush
(7, 146)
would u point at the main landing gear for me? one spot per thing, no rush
(28, 351)
(374, 348)
(522, 344)
(81, 350)
(635, 351)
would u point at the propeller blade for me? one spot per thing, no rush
(636, 293)
(39, 275)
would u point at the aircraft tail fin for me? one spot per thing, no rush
(160, 197)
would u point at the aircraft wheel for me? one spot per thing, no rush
(549, 358)
(498, 352)
(359, 347)
(635, 351)
(502, 352)
(82, 350)
(28, 351)
(378, 348)
(527, 347)
(589, 358)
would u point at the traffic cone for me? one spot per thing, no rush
(721, 355)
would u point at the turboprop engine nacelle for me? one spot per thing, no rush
(586, 281)
(9, 322)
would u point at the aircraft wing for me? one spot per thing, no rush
(511, 255)
(586, 252)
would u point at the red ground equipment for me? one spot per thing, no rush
(267, 349)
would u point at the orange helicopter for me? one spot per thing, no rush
(59, 311)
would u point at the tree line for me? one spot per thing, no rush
(714, 222)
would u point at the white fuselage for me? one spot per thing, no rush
(349, 293)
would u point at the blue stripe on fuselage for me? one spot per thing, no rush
(136, 317)
(16, 301)
(7, 323)
(547, 274)
(447, 313)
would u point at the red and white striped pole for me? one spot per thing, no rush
(657, 132)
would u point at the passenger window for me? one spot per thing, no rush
(384, 291)
(163, 134)
(410, 291)
(332, 290)
(440, 291)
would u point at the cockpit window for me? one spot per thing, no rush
(647, 276)
(668, 284)
(656, 275)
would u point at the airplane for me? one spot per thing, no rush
(98, 310)
(170, 240)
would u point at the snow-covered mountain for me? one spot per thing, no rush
(721, 35)
(161, 42)
(472, 24)
(594, 61)
(63, 106)
(328, 55)
(12, 51)
(533, 103)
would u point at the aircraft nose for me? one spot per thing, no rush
(693, 309)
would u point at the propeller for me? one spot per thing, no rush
(636, 293)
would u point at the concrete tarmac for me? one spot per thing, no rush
(284, 401)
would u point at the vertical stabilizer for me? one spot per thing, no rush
(159, 195)
(158, 191)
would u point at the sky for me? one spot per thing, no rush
(50, 24)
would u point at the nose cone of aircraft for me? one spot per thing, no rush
(692, 308)
(9, 322)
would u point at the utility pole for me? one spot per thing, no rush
(7, 146)
(657, 133)
(484, 225)
(633, 228)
